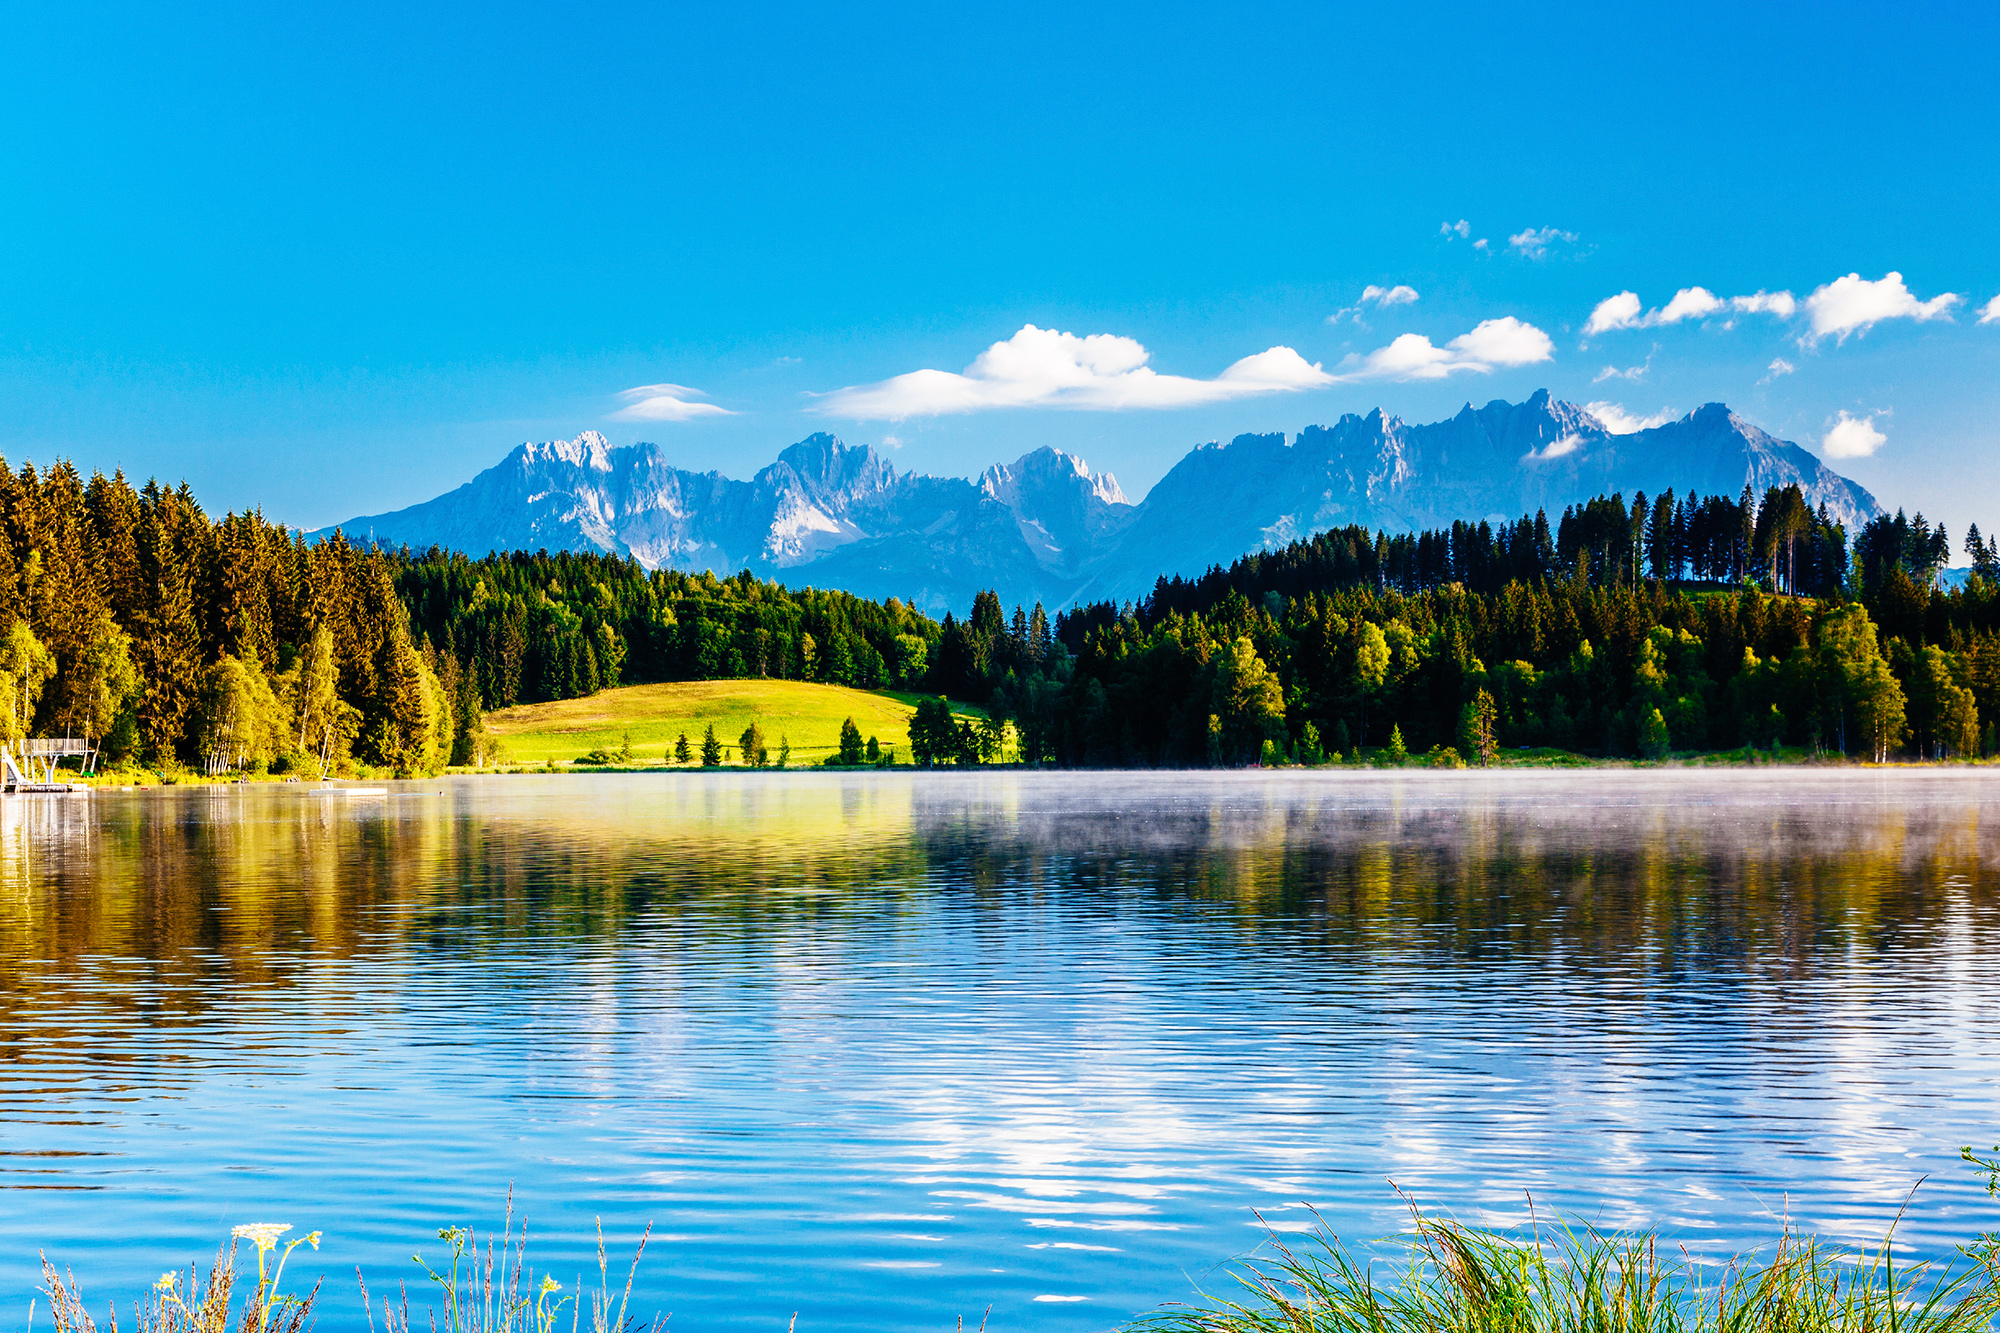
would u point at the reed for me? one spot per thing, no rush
(494, 1290)
(1451, 1278)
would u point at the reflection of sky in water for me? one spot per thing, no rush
(889, 1050)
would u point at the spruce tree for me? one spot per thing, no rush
(711, 748)
(1399, 753)
(850, 742)
(1475, 728)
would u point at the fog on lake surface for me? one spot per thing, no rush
(885, 1049)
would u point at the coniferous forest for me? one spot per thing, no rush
(1691, 623)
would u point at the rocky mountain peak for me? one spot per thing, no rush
(1046, 527)
(1045, 468)
(588, 450)
(827, 468)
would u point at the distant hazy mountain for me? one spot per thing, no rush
(1047, 528)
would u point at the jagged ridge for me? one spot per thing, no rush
(1047, 528)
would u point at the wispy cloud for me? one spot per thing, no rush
(1623, 311)
(1632, 373)
(1852, 437)
(665, 402)
(1380, 297)
(1046, 368)
(1854, 305)
(1779, 366)
(1990, 312)
(1534, 243)
(1620, 422)
(1492, 344)
(1562, 448)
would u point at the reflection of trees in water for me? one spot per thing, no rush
(188, 895)
(169, 902)
(1687, 871)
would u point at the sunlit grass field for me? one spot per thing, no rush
(808, 715)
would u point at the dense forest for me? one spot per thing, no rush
(1693, 624)
(176, 640)
(173, 639)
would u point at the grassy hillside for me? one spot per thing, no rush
(810, 715)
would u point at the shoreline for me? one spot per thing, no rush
(1538, 762)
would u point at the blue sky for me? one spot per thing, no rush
(334, 262)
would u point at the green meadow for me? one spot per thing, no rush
(808, 715)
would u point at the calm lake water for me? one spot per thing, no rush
(885, 1050)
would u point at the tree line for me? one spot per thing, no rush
(134, 620)
(131, 618)
(1691, 622)
(1632, 629)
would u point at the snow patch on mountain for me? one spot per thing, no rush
(1045, 527)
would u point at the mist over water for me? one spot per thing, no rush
(888, 1049)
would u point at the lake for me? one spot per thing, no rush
(888, 1049)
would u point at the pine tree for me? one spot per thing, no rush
(168, 634)
(1039, 642)
(682, 754)
(711, 748)
(1654, 742)
(1475, 728)
(1398, 754)
(850, 742)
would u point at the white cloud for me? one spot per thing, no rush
(665, 402)
(1379, 297)
(1688, 303)
(1623, 310)
(1620, 422)
(1460, 228)
(1614, 312)
(1384, 297)
(1779, 366)
(1481, 244)
(1047, 368)
(1761, 302)
(1990, 312)
(1535, 242)
(1852, 437)
(1562, 448)
(1853, 305)
(1495, 342)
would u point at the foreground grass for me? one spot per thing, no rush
(1457, 1279)
(1448, 1278)
(655, 715)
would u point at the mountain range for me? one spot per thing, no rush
(1046, 528)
